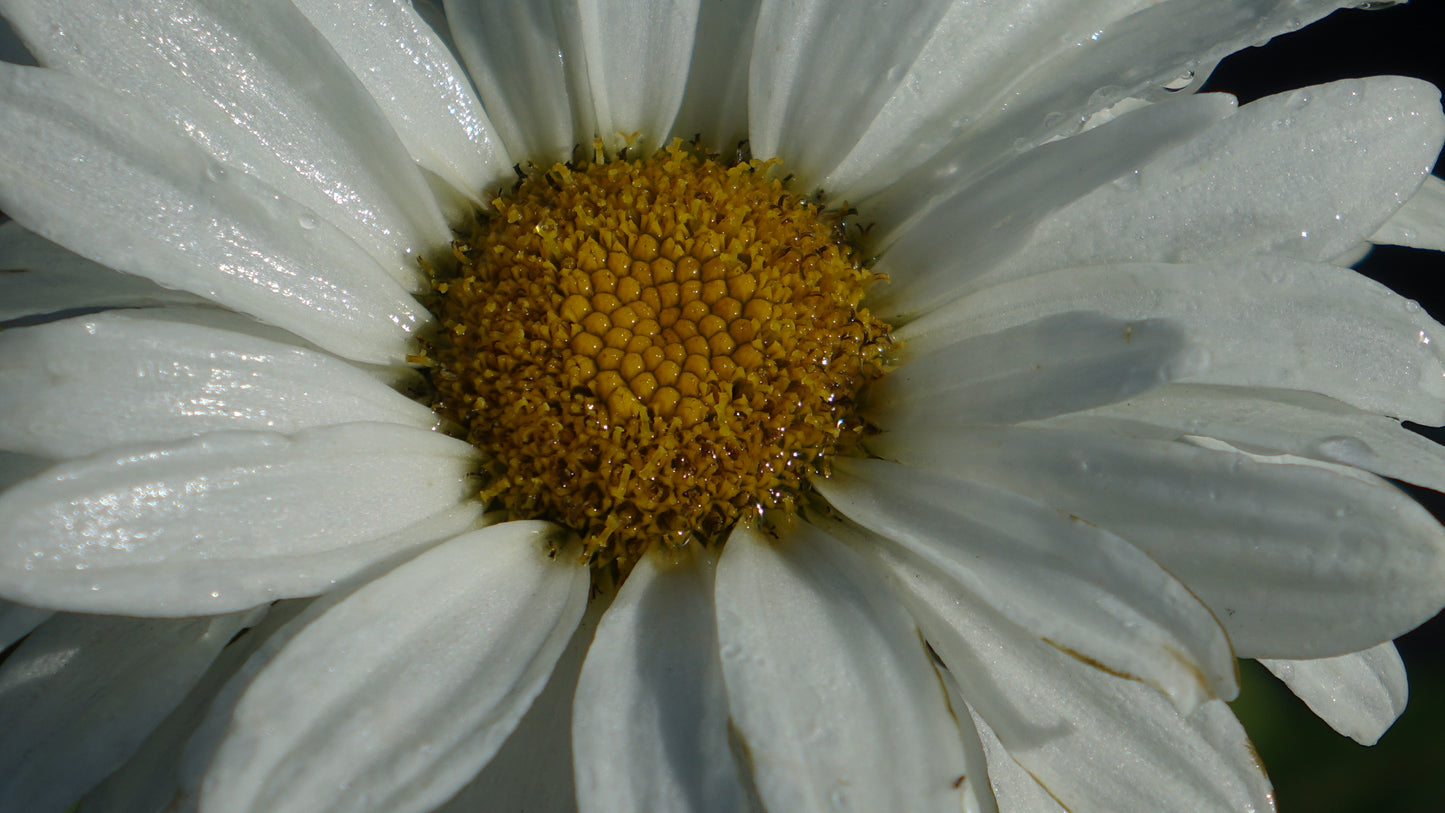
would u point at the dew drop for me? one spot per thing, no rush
(1129, 181)
(1180, 82)
(1342, 449)
(308, 221)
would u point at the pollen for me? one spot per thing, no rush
(645, 350)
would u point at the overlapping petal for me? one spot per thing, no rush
(1420, 223)
(1264, 321)
(1073, 585)
(81, 694)
(1360, 694)
(230, 519)
(1054, 365)
(1272, 421)
(92, 171)
(164, 381)
(1306, 174)
(986, 220)
(1297, 559)
(412, 682)
(38, 278)
(1095, 742)
(419, 86)
(527, 62)
(256, 87)
(650, 724)
(825, 673)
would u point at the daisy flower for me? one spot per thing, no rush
(696, 405)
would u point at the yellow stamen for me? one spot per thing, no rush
(644, 350)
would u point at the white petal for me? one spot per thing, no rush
(528, 64)
(89, 170)
(1094, 741)
(413, 681)
(37, 277)
(533, 770)
(636, 51)
(227, 520)
(257, 87)
(715, 102)
(1420, 223)
(650, 727)
(82, 692)
(1102, 65)
(983, 221)
(831, 693)
(17, 467)
(978, 797)
(821, 71)
(1054, 365)
(154, 778)
(1306, 174)
(1273, 421)
(1295, 560)
(1265, 322)
(17, 620)
(1360, 694)
(1014, 787)
(81, 385)
(419, 86)
(1075, 586)
(976, 55)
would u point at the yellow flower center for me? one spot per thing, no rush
(645, 350)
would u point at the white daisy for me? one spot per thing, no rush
(1135, 424)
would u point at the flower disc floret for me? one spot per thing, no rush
(644, 350)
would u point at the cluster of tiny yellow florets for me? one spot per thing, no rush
(644, 350)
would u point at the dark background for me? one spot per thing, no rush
(1315, 770)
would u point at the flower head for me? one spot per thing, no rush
(696, 405)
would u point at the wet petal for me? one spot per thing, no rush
(533, 770)
(650, 726)
(829, 687)
(1295, 558)
(257, 87)
(1054, 365)
(1306, 174)
(79, 164)
(633, 48)
(164, 381)
(37, 277)
(983, 221)
(527, 62)
(1134, 55)
(230, 519)
(442, 681)
(1081, 589)
(1420, 223)
(17, 621)
(821, 72)
(156, 776)
(976, 55)
(1360, 694)
(715, 102)
(1094, 741)
(81, 694)
(419, 86)
(1265, 322)
(1272, 421)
